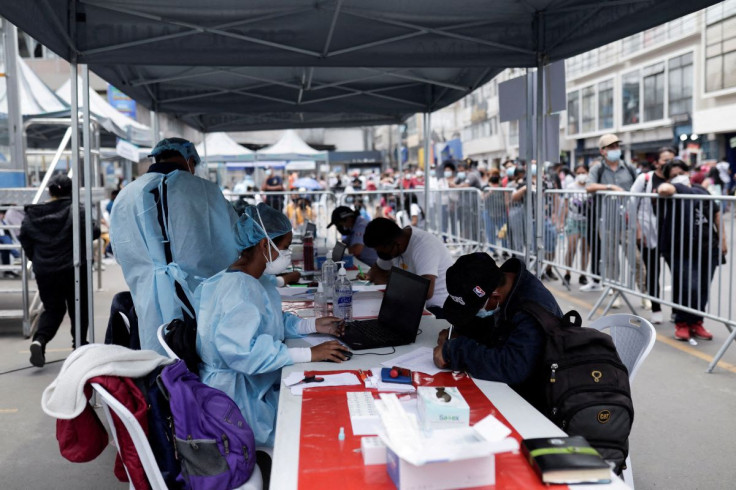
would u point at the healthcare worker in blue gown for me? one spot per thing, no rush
(170, 230)
(241, 327)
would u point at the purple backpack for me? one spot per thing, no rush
(215, 444)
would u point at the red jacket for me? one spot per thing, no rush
(84, 438)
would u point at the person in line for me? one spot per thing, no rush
(646, 229)
(241, 331)
(6, 238)
(413, 250)
(612, 174)
(575, 219)
(274, 183)
(351, 225)
(170, 230)
(47, 239)
(299, 210)
(693, 244)
(493, 337)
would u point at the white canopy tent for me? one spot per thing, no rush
(36, 99)
(219, 147)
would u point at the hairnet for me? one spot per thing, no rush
(248, 231)
(184, 147)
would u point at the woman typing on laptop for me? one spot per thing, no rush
(241, 327)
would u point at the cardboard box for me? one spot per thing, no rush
(449, 410)
(464, 473)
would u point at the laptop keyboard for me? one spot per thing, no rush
(369, 330)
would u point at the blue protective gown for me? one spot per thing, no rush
(240, 338)
(199, 225)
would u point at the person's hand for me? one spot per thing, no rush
(291, 277)
(724, 247)
(439, 361)
(329, 351)
(360, 276)
(330, 325)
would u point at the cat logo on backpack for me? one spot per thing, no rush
(604, 416)
(597, 375)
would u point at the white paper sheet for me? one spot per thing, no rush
(293, 381)
(367, 305)
(420, 359)
(296, 293)
(367, 288)
(319, 338)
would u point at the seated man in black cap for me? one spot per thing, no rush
(351, 226)
(494, 338)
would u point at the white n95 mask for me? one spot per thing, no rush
(279, 264)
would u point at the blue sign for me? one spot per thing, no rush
(120, 101)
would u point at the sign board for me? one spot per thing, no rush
(127, 150)
(512, 93)
(551, 151)
(121, 102)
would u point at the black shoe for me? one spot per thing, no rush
(566, 280)
(38, 358)
(583, 280)
(11, 275)
(551, 275)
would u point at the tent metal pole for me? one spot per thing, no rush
(401, 171)
(15, 117)
(427, 139)
(528, 156)
(540, 166)
(155, 128)
(76, 225)
(206, 163)
(88, 184)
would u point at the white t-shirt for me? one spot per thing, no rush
(425, 255)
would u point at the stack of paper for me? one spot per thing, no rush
(420, 359)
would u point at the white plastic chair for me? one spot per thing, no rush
(143, 447)
(172, 355)
(634, 338)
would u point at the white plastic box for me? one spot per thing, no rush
(465, 473)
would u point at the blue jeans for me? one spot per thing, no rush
(5, 254)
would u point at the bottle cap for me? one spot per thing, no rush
(341, 434)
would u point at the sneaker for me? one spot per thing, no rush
(682, 331)
(38, 358)
(583, 280)
(699, 332)
(551, 275)
(656, 318)
(593, 286)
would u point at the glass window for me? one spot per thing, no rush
(680, 84)
(494, 125)
(654, 92)
(605, 105)
(720, 47)
(588, 109)
(630, 98)
(573, 112)
(514, 133)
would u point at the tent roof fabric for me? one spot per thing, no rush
(233, 65)
(221, 148)
(289, 143)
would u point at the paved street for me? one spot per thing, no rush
(682, 435)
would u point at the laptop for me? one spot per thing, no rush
(399, 317)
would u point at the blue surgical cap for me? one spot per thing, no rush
(248, 231)
(184, 147)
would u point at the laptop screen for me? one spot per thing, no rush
(339, 251)
(403, 302)
(311, 228)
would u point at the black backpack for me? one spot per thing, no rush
(586, 386)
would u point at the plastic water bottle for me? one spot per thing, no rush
(328, 277)
(343, 303)
(320, 302)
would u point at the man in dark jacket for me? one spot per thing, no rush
(47, 238)
(493, 337)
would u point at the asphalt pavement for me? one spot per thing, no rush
(682, 437)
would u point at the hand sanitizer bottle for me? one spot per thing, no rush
(343, 302)
(320, 302)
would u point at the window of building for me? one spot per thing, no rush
(605, 105)
(654, 92)
(573, 112)
(494, 125)
(630, 98)
(514, 133)
(680, 81)
(588, 104)
(720, 47)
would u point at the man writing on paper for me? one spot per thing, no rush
(493, 338)
(413, 250)
(351, 226)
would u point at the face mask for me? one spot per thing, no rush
(681, 179)
(280, 263)
(581, 178)
(510, 172)
(461, 175)
(448, 174)
(613, 155)
(483, 313)
(344, 231)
